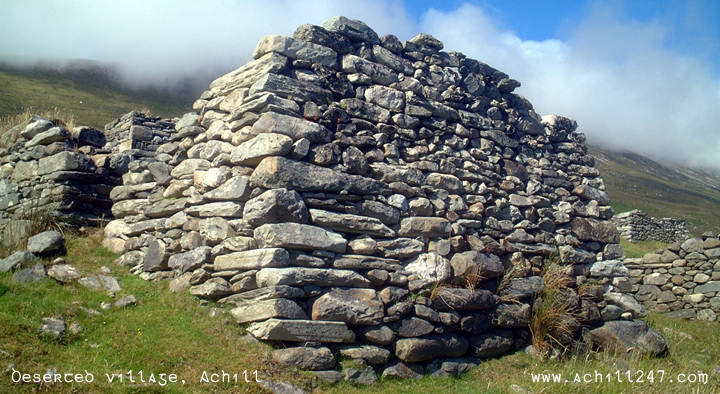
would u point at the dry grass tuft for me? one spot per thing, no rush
(554, 316)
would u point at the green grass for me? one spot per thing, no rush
(43, 91)
(164, 333)
(173, 333)
(640, 248)
(634, 182)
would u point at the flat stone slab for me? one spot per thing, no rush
(349, 223)
(279, 172)
(266, 309)
(298, 276)
(299, 236)
(253, 259)
(302, 331)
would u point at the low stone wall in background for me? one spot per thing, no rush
(48, 170)
(637, 226)
(683, 280)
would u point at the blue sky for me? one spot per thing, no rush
(692, 27)
(639, 75)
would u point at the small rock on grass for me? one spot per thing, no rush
(53, 326)
(365, 376)
(281, 387)
(126, 301)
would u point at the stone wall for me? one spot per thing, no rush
(46, 169)
(637, 226)
(387, 199)
(682, 280)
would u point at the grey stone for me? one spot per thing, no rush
(55, 134)
(482, 265)
(252, 259)
(191, 260)
(404, 371)
(352, 28)
(378, 73)
(594, 230)
(214, 288)
(279, 172)
(64, 273)
(15, 260)
(47, 242)
(388, 98)
(266, 309)
(413, 327)
(215, 230)
(429, 269)
(295, 128)
(381, 335)
(427, 226)
(251, 152)
(709, 287)
(366, 376)
(401, 248)
(289, 87)
(625, 301)
(305, 358)
(299, 276)
(349, 223)
(629, 335)
(329, 376)
(36, 127)
(155, 258)
(274, 206)
(234, 189)
(52, 326)
(428, 348)
(296, 49)
(280, 387)
(512, 315)
(459, 299)
(523, 288)
(302, 331)
(353, 306)
(374, 355)
(588, 192)
(609, 268)
(226, 209)
(571, 255)
(165, 208)
(492, 343)
(360, 262)
(126, 301)
(299, 236)
(32, 274)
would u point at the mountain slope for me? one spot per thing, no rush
(634, 181)
(91, 101)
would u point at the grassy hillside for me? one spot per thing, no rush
(91, 102)
(174, 333)
(634, 181)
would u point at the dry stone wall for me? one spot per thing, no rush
(385, 198)
(637, 226)
(682, 280)
(46, 169)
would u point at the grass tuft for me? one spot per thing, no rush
(554, 318)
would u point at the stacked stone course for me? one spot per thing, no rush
(46, 169)
(637, 226)
(682, 280)
(367, 196)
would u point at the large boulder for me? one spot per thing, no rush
(629, 336)
(45, 243)
(353, 306)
